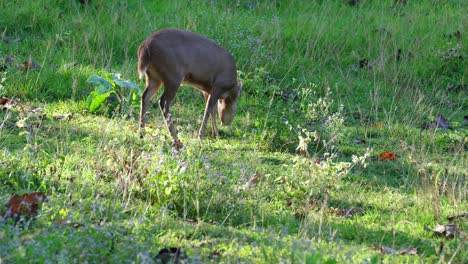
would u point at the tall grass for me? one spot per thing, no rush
(341, 81)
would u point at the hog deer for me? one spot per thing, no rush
(172, 57)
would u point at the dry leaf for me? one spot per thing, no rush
(387, 156)
(448, 231)
(9, 103)
(391, 251)
(254, 180)
(25, 205)
(453, 217)
(29, 65)
(4, 101)
(64, 117)
(347, 213)
(380, 124)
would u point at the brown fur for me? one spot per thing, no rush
(171, 57)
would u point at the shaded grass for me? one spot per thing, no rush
(123, 198)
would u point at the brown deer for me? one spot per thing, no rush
(172, 57)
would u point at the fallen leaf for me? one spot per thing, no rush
(25, 205)
(453, 217)
(9, 103)
(64, 117)
(387, 156)
(379, 124)
(347, 213)
(254, 180)
(171, 255)
(29, 65)
(4, 100)
(448, 231)
(391, 251)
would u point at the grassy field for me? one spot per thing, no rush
(297, 178)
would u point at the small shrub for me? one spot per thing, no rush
(113, 95)
(326, 122)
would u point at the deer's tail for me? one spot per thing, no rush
(143, 60)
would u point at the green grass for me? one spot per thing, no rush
(114, 197)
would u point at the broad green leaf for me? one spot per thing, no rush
(98, 101)
(126, 84)
(100, 81)
(90, 98)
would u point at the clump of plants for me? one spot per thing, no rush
(112, 95)
(314, 176)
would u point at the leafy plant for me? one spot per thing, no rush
(112, 94)
(326, 122)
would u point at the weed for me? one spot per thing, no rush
(113, 95)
